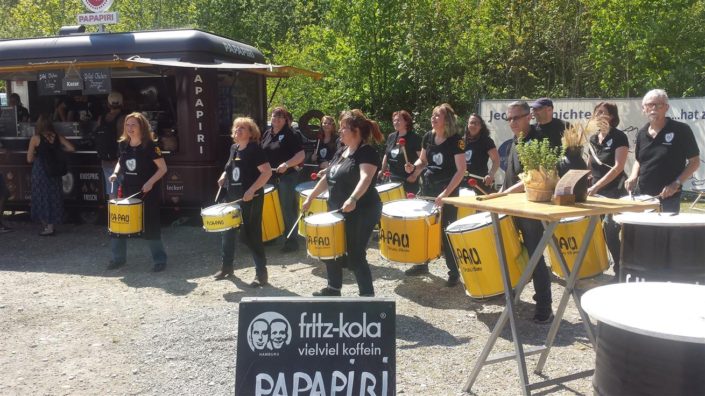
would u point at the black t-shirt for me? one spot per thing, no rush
(137, 165)
(241, 169)
(441, 158)
(553, 130)
(22, 114)
(344, 174)
(663, 158)
(326, 151)
(395, 156)
(477, 154)
(105, 137)
(606, 152)
(280, 147)
(514, 167)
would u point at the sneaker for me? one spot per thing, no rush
(159, 267)
(542, 318)
(327, 292)
(222, 274)
(452, 280)
(115, 264)
(417, 270)
(261, 279)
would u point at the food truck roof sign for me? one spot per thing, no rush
(98, 16)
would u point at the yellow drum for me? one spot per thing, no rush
(272, 218)
(570, 233)
(390, 192)
(125, 217)
(221, 217)
(473, 243)
(319, 205)
(462, 210)
(410, 231)
(325, 235)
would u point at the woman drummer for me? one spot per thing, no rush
(142, 167)
(246, 173)
(350, 178)
(442, 162)
(479, 147)
(394, 158)
(326, 144)
(608, 155)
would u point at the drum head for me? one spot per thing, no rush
(268, 188)
(466, 192)
(309, 185)
(662, 219)
(387, 186)
(220, 209)
(408, 208)
(126, 201)
(471, 222)
(308, 191)
(324, 218)
(641, 198)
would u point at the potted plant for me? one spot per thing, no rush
(540, 162)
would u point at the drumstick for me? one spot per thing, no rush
(473, 183)
(474, 175)
(402, 143)
(132, 196)
(296, 224)
(318, 142)
(490, 196)
(218, 194)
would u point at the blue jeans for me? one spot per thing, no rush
(250, 234)
(118, 246)
(358, 230)
(289, 203)
(532, 230)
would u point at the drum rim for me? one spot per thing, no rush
(394, 185)
(339, 218)
(307, 193)
(501, 217)
(125, 201)
(225, 204)
(432, 213)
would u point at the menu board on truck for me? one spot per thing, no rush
(96, 81)
(49, 82)
(8, 121)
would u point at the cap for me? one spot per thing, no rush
(542, 102)
(115, 98)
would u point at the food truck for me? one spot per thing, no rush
(189, 83)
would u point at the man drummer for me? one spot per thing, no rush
(519, 117)
(666, 154)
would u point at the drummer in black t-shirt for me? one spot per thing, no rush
(442, 160)
(608, 154)
(246, 173)
(327, 143)
(394, 158)
(479, 148)
(350, 177)
(666, 154)
(142, 167)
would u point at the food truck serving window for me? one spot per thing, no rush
(238, 96)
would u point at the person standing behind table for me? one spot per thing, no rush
(47, 204)
(141, 166)
(608, 155)
(442, 161)
(479, 148)
(22, 112)
(105, 138)
(284, 152)
(350, 177)
(666, 154)
(244, 177)
(551, 128)
(394, 157)
(519, 116)
(327, 143)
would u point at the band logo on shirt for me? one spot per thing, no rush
(438, 159)
(131, 164)
(668, 137)
(236, 174)
(468, 156)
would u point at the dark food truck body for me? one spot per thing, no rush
(189, 83)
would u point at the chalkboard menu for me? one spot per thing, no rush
(96, 81)
(49, 82)
(8, 121)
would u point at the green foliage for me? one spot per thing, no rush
(538, 155)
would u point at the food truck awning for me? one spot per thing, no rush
(258, 68)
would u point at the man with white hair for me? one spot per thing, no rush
(666, 154)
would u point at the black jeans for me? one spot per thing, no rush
(448, 215)
(532, 230)
(250, 234)
(358, 229)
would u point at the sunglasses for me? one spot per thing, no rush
(516, 118)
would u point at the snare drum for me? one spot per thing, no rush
(390, 191)
(325, 235)
(464, 211)
(272, 218)
(569, 233)
(221, 217)
(643, 198)
(318, 205)
(475, 250)
(126, 217)
(410, 231)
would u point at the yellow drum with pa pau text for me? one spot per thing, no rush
(325, 235)
(272, 219)
(464, 211)
(569, 233)
(390, 191)
(410, 231)
(475, 251)
(125, 217)
(318, 205)
(221, 217)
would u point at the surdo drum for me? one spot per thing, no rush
(221, 217)
(272, 219)
(410, 231)
(325, 235)
(125, 217)
(474, 247)
(319, 205)
(464, 211)
(390, 191)
(569, 235)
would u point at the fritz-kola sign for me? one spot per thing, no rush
(306, 347)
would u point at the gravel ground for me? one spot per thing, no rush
(71, 327)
